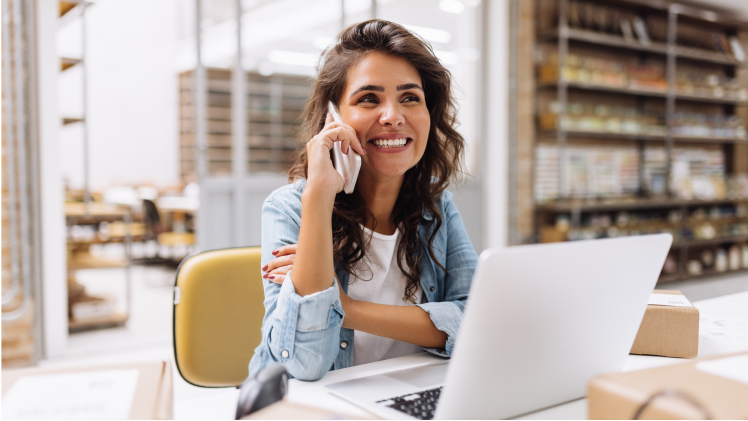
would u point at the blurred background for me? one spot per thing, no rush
(136, 132)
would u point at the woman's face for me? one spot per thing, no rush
(385, 104)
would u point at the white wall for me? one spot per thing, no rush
(133, 94)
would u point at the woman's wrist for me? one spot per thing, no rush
(318, 194)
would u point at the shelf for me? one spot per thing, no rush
(711, 273)
(87, 261)
(608, 40)
(632, 204)
(714, 241)
(116, 319)
(643, 92)
(67, 62)
(71, 120)
(650, 137)
(75, 212)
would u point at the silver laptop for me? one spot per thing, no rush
(541, 320)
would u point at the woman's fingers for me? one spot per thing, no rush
(279, 261)
(278, 279)
(282, 251)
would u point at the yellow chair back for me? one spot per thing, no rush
(218, 311)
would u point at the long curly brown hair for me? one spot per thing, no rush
(442, 161)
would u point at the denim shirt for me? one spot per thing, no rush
(305, 334)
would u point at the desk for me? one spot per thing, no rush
(314, 393)
(222, 404)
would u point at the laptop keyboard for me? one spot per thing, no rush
(420, 405)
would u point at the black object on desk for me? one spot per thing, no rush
(266, 387)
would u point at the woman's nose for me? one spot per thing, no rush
(391, 116)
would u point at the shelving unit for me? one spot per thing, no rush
(86, 311)
(274, 107)
(635, 94)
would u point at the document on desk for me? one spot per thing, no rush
(90, 395)
(669, 300)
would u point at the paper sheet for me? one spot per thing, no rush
(83, 396)
(726, 336)
(711, 322)
(734, 368)
(669, 300)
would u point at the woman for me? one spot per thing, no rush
(384, 271)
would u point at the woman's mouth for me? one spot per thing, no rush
(391, 143)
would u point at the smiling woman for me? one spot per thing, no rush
(385, 270)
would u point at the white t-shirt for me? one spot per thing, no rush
(380, 282)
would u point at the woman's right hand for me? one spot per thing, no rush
(321, 172)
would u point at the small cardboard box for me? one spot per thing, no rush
(153, 397)
(668, 331)
(707, 388)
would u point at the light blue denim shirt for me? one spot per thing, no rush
(305, 334)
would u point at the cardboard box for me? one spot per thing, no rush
(153, 397)
(668, 331)
(688, 390)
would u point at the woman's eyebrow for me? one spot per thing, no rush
(368, 88)
(407, 86)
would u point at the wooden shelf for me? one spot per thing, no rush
(714, 241)
(630, 204)
(71, 120)
(643, 92)
(87, 261)
(609, 40)
(117, 319)
(66, 63)
(75, 212)
(635, 136)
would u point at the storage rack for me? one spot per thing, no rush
(86, 212)
(274, 107)
(561, 36)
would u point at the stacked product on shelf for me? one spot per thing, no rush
(641, 128)
(274, 107)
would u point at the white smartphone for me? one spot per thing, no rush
(349, 165)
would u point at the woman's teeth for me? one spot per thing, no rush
(390, 143)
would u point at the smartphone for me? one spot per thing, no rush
(349, 165)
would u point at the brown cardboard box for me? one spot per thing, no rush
(668, 331)
(679, 391)
(153, 395)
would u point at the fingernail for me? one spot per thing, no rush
(362, 148)
(264, 268)
(271, 277)
(275, 252)
(265, 275)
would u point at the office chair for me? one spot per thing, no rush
(218, 311)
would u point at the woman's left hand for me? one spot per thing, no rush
(278, 268)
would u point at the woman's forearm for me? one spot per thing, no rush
(313, 268)
(407, 324)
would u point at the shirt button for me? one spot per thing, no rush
(284, 354)
(432, 289)
(344, 344)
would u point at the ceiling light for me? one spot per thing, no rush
(294, 58)
(447, 58)
(431, 34)
(452, 6)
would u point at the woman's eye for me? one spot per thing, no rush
(411, 98)
(370, 98)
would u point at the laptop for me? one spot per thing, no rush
(540, 321)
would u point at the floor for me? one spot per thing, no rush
(147, 335)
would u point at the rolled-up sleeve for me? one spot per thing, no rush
(460, 262)
(299, 332)
(305, 330)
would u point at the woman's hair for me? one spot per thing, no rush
(425, 182)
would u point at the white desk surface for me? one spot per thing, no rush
(314, 393)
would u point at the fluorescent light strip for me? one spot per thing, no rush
(431, 34)
(293, 58)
